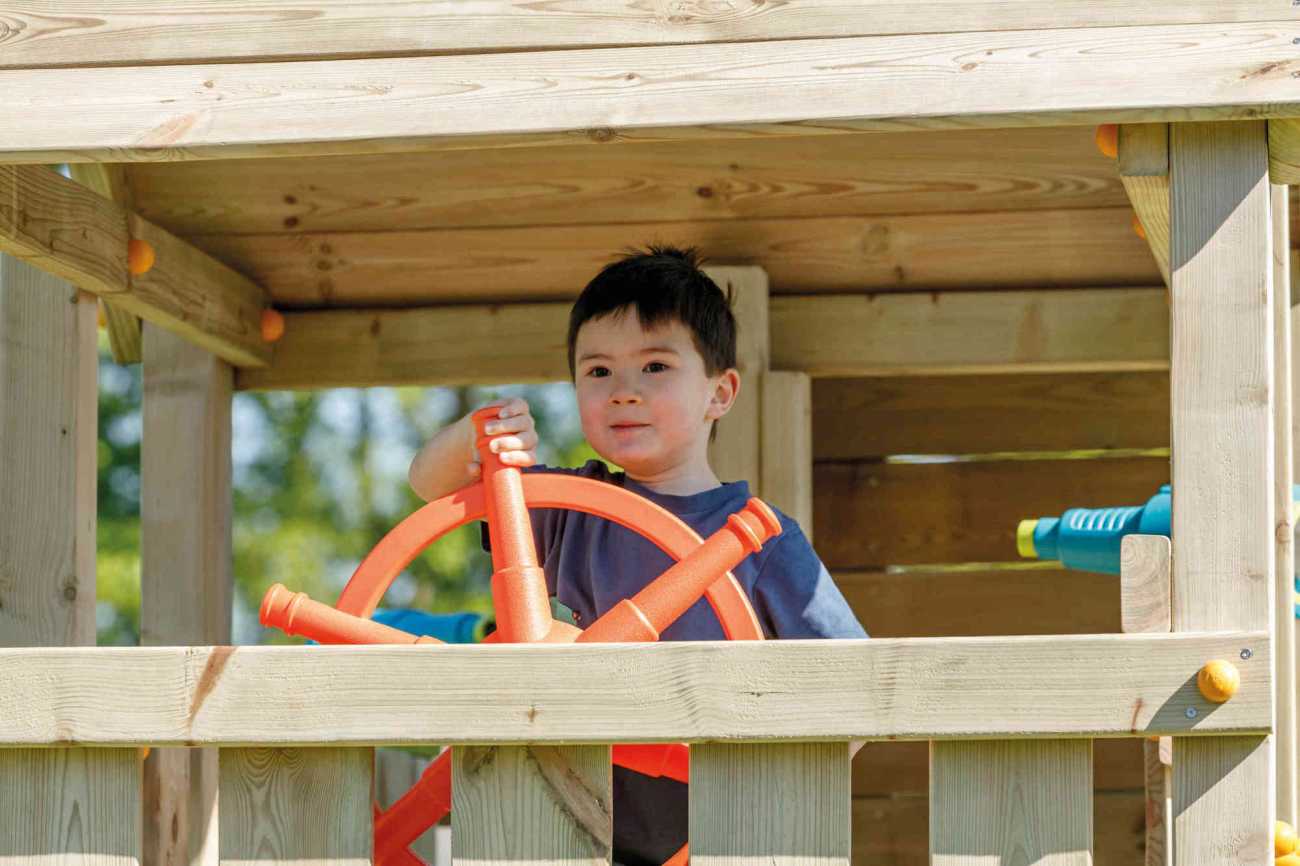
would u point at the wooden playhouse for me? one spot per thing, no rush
(930, 256)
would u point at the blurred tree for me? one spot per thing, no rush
(319, 478)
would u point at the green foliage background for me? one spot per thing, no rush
(319, 478)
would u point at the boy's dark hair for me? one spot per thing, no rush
(663, 284)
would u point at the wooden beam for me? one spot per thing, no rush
(1072, 686)
(875, 514)
(1146, 599)
(110, 181)
(1223, 521)
(186, 571)
(1029, 77)
(77, 235)
(296, 805)
(1045, 168)
(532, 804)
(1011, 801)
(736, 452)
(787, 445)
(1284, 151)
(1284, 512)
(821, 335)
(1144, 170)
(1065, 248)
(770, 802)
(979, 332)
(208, 30)
(861, 418)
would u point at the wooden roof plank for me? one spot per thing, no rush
(1028, 77)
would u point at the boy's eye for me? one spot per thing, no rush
(656, 367)
(598, 372)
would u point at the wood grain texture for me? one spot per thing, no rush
(1009, 801)
(736, 453)
(681, 181)
(47, 33)
(787, 445)
(991, 601)
(785, 803)
(985, 332)
(1144, 170)
(531, 804)
(860, 418)
(110, 180)
(903, 769)
(1028, 77)
(1284, 151)
(70, 806)
(1077, 248)
(874, 514)
(77, 235)
(1159, 843)
(894, 831)
(310, 807)
(849, 335)
(1222, 403)
(1284, 511)
(919, 688)
(48, 430)
(186, 565)
(1145, 588)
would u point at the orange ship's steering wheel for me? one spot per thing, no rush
(522, 605)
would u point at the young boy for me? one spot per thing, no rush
(652, 350)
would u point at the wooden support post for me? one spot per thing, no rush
(736, 453)
(536, 804)
(300, 806)
(1222, 454)
(785, 803)
(61, 805)
(1144, 171)
(109, 180)
(1146, 608)
(1011, 801)
(1284, 637)
(787, 445)
(186, 570)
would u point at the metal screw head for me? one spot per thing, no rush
(1245, 654)
(1191, 712)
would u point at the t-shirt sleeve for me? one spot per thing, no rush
(795, 596)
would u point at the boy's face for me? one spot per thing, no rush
(646, 402)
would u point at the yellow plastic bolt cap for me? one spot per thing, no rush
(1218, 680)
(1287, 860)
(140, 256)
(1284, 839)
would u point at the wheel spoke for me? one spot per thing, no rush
(416, 811)
(295, 613)
(645, 616)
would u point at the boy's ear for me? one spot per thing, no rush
(724, 396)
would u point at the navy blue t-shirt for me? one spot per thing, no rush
(592, 564)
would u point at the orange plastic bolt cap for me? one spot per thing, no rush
(1139, 229)
(1218, 681)
(272, 324)
(1107, 139)
(140, 257)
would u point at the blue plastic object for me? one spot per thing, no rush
(1088, 539)
(446, 627)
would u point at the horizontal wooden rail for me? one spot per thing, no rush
(914, 688)
(890, 334)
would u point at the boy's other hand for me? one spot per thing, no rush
(512, 436)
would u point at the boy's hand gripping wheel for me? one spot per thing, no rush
(521, 600)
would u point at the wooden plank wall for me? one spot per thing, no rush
(1010, 432)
